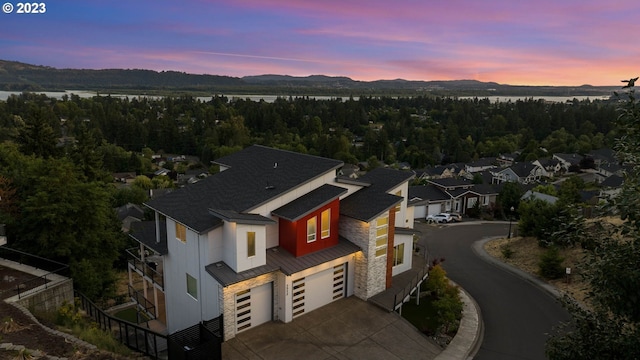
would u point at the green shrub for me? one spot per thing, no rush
(551, 264)
(506, 250)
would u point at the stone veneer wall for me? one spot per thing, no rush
(229, 301)
(370, 272)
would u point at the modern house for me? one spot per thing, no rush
(274, 235)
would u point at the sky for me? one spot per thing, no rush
(517, 42)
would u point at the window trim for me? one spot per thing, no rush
(325, 224)
(398, 253)
(251, 244)
(181, 232)
(381, 249)
(193, 294)
(312, 229)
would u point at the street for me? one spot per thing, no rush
(517, 315)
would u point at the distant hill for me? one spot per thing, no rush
(16, 76)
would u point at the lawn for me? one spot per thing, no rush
(130, 315)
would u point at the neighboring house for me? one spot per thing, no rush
(349, 170)
(523, 173)
(124, 177)
(608, 169)
(480, 165)
(550, 167)
(129, 213)
(438, 172)
(428, 200)
(568, 160)
(611, 186)
(451, 195)
(274, 235)
(505, 160)
(603, 156)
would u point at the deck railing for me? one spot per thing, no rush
(148, 269)
(52, 268)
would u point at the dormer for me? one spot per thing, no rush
(244, 239)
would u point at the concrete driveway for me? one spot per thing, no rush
(349, 328)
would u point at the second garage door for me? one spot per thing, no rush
(319, 289)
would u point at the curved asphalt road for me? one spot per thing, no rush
(517, 315)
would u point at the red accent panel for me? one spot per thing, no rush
(293, 235)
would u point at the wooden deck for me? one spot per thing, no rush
(404, 283)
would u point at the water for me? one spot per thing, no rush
(4, 95)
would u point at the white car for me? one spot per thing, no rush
(439, 218)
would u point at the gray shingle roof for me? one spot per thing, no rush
(282, 260)
(256, 175)
(369, 202)
(290, 264)
(241, 218)
(145, 232)
(309, 202)
(427, 193)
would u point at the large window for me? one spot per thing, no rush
(311, 229)
(181, 232)
(192, 286)
(382, 233)
(326, 223)
(251, 243)
(398, 254)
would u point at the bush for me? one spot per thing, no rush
(551, 264)
(507, 251)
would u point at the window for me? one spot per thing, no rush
(485, 200)
(192, 286)
(311, 230)
(326, 223)
(382, 231)
(398, 254)
(181, 232)
(251, 243)
(399, 206)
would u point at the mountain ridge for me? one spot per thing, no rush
(18, 76)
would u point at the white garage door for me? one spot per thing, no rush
(420, 212)
(319, 289)
(254, 307)
(434, 209)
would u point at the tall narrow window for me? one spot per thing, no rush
(398, 254)
(251, 243)
(382, 231)
(192, 286)
(311, 230)
(326, 223)
(181, 232)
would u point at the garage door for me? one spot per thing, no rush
(319, 289)
(254, 307)
(434, 209)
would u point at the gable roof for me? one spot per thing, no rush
(523, 169)
(427, 193)
(371, 201)
(309, 202)
(613, 181)
(451, 182)
(253, 177)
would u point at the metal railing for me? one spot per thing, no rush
(53, 269)
(143, 303)
(147, 270)
(132, 335)
(402, 296)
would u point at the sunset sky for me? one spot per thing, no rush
(518, 42)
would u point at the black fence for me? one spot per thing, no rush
(52, 268)
(199, 342)
(134, 336)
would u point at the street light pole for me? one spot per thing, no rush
(510, 219)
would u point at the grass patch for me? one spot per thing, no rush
(131, 315)
(424, 316)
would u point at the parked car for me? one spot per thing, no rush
(439, 218)
(455, 217)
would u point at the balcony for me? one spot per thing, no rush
(150, 268)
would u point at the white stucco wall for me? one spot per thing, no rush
(407, 240)
(244, 262)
